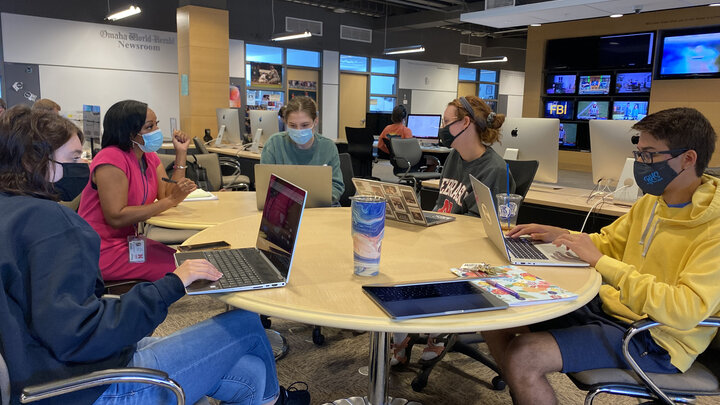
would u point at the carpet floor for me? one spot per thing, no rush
(331, 370)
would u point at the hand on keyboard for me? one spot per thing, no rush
(545, 233)
(197, 269)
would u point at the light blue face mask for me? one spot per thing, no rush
(300, 136)
(153, 141)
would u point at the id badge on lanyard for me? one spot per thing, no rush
(136, 247)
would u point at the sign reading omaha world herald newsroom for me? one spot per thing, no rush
(138, 41)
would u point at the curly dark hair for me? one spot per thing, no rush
(27, 141)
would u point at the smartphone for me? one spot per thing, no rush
(221, 244)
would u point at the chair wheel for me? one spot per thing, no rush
(419, 383)
(266, 322)
(317, 337)
(498, 384)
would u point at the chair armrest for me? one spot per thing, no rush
(643, 325)
(435, 163)
(102, 377)
(405, 163)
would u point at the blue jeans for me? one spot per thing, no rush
(227, 357)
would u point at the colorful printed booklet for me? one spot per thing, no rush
(514, 285)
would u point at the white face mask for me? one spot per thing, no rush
(300, 136)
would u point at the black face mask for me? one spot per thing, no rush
(75, 178)
(653, 178)
(446, 138)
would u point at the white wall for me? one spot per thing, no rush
(512, 84)
(433, 85)
(236, 49)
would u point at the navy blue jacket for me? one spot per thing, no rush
(54, 322)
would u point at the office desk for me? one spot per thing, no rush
(322, 289)
(246, 159)
(204, 214)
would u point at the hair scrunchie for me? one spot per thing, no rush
(490, 119)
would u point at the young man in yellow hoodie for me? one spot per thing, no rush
(661, 260)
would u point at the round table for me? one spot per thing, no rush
(204, 214)
(322, 289)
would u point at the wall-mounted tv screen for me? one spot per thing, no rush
(562, 109)
(593, 110)
(639, 82)
(629, 110)
(689, 53)
(594, 84)
(568, 134)
(560, 84)
(608, 52)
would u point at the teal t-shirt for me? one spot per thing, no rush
(280, 149)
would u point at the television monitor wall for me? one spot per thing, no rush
(568, 134)
(559, 109)
(560, 84)
(688, 55)
(629, 110)
(594, 84)
(593, 110)
(633, 82)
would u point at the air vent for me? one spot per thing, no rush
(498, 3)
(300, 25)
(470, 50)
(355, 34)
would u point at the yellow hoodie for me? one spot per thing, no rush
(664, 263)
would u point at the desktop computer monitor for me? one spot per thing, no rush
(610, 146)
(534, 139)
(424, 126)
(228, 121)
(265, 120)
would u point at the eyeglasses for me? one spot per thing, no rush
(647, 157)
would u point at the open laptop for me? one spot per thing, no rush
(317, 180)
(401, 203)
(267, 264)
(522, 251)
(435, 298)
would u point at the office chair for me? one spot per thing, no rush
(523, 172)
(408, 164)
(102, 377)
(360, 147)
(347, 172)
(700, 379)
(234, 180)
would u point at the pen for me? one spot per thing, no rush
(503, 288)
(165, 179)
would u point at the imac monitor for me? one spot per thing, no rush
(267, 121)
(535, 139)
(593, 110)
(594, 84)
(610, 146)
(633, 82)
(228, 122)
(424, 126)
(559, 109)
(568, 134)
(560, 84)
(629, 110)
(689, 53)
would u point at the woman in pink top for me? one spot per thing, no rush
(398, 128)
(125, 184)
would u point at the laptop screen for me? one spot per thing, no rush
(280, 222)
(424, 125)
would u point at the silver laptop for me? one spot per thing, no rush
(523, 250)
(401, 203)
(317, 180)
(268, 264)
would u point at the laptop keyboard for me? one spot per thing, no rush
(523, 248)
(402, 293)
(235, 266)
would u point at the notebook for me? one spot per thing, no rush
(267, 264)
(434, 298)
(401, 203)
(523, 251)
(317, 180)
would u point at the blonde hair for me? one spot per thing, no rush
(301, 104)
(487, 123)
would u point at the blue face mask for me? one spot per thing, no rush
(653, 178)
(300, 136)
(153, 141)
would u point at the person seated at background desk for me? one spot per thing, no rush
(56, 323)
(470, 127)
(397, 128)
(125, 183)
(658, 261)
(300, 145)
